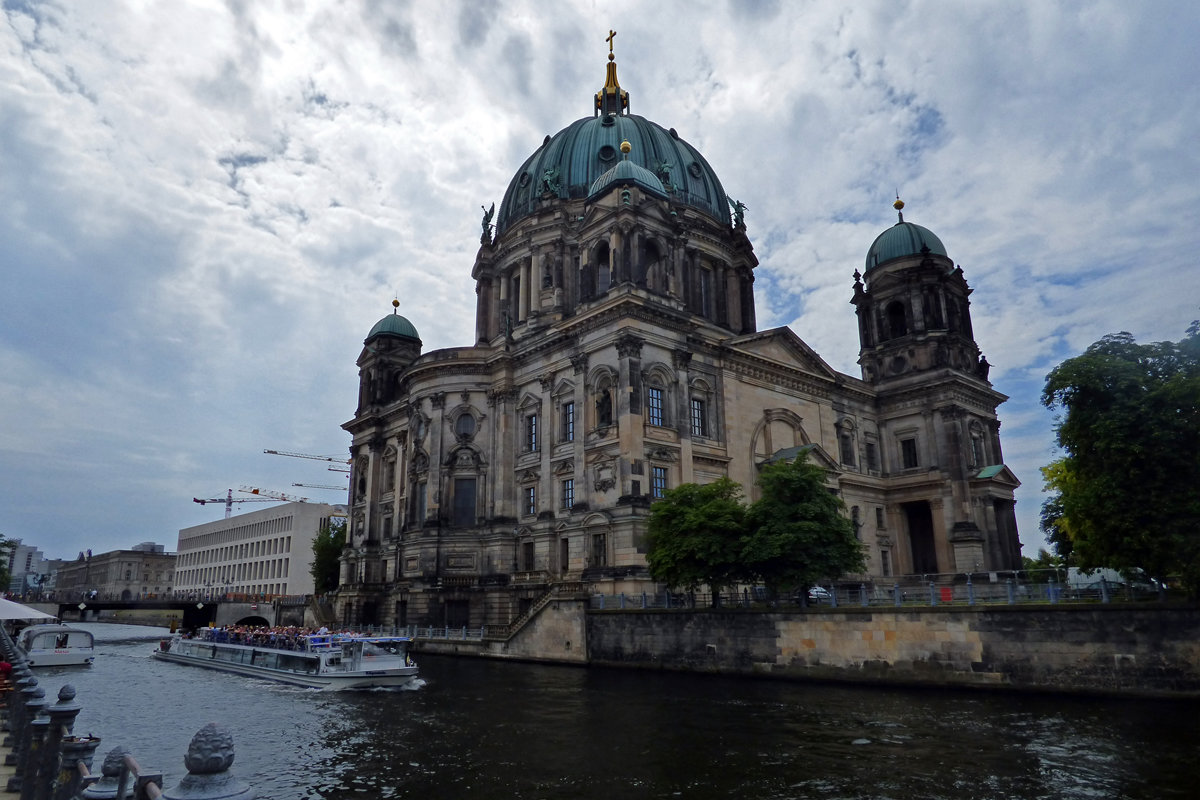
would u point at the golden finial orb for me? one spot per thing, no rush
(396, 304)
(626, 147)
(899, 204)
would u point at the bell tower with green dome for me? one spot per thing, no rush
(913, 308)
(937, 408)
(390, 347)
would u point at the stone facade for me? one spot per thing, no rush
(117, 575)
(617, 355)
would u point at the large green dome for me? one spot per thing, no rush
(394, 325)
(901, 240)
(570, 162)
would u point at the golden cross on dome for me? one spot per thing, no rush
(611, 34)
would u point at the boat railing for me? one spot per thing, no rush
(304, 643)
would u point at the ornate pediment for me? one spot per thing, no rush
(784, 347)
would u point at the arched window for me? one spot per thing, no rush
(659, 406)
(601, 260)
(652, 271)
(978, 453)
(897, 321)
(700, 410)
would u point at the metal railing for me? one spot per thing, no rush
(1024, 587)
(52, 763)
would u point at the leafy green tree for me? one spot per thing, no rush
(1045, 560)
(6, 551)
(1057, 478)
(694, 535)
(797, 532)
(327, 548)
(1126, 490)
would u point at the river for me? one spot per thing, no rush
(487, 729)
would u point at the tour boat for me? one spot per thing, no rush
(326, 661)
(56, 646)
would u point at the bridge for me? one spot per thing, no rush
(189, 613)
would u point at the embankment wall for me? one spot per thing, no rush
(1111, 649)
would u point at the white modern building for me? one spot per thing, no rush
(264, 553)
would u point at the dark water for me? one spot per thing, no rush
(483, 729)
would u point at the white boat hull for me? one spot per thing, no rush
(310, 672)
(60, 658)
(56, 646)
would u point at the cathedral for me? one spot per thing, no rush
(616, 355)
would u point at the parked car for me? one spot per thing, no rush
(818, 593)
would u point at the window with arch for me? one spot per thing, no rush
(654, 405)
(603, 268)
(978, 451)
(389, 471)
(700, 409)
(652, 266)
(846, 442)
(896, 319)
(658, 396)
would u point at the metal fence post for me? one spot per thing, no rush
(862, 594)
(932, 594)
(833, 596)
(622, 600)
(1012, 591)
(208, 759)
(62, 718)
(75, 750)
(643, 599)
(1103, 590)
(26, 758)
(970, 592)
(896, 594)
(110, 770)
(1051, 590)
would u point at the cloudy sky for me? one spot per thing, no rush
(205, 206)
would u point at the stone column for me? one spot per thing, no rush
(682, 359)
(629, 416)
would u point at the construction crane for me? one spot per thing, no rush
(321, 486)
(331, 459)
(229, 500)
(267, 493)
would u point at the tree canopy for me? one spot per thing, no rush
(694, 533)
(794, 535)
(797, 532)
(327, 550)
(1125, 492)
